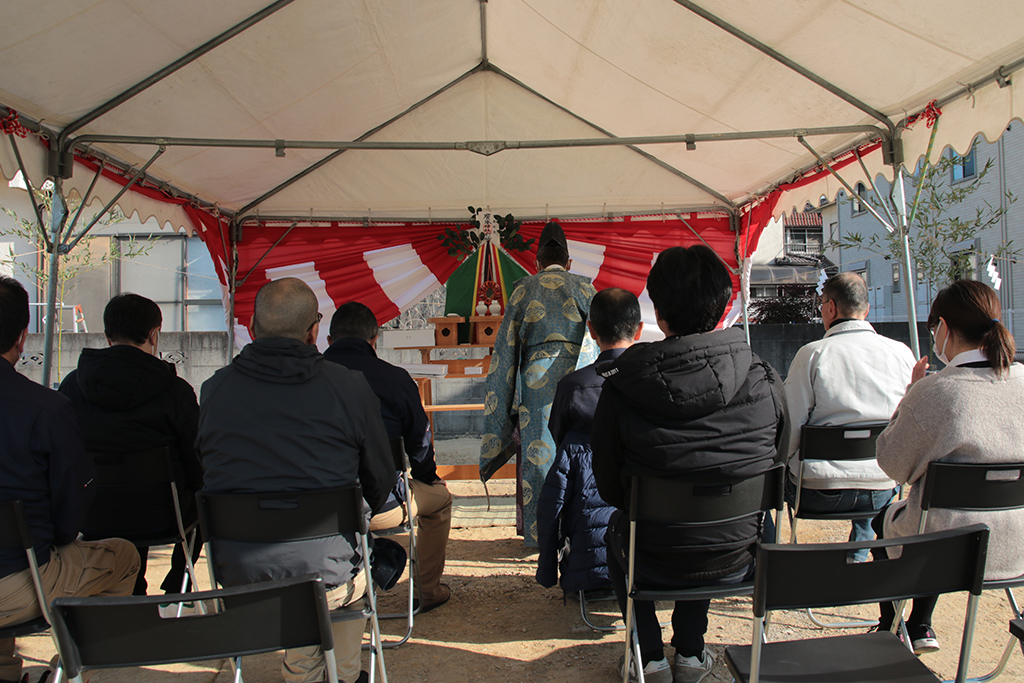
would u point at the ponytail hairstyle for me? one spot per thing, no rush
(972, 310)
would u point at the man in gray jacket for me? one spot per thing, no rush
(852, 375)
(281, 418)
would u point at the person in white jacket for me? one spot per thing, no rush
(851, 376)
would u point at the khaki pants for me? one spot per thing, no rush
(432, 505)
(306, 664)
(78, 569)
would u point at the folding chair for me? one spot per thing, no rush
(1017, 629)
(659, 499)
(406, 527)
(117, 473)
(15, 536)
(978, 488)
(105, 633)
(818, 575)
(295, 516)
(842, 443)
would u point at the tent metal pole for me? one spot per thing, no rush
(362, 219)
(62, 138)
(866, 205)
(483, 32)
(334, 155)
(85, 198)
(668, 167)
(266, 253)
(871, 182)
(58, 214)
(95, 219)
(485, 147)
(232, 260)
(900, 200)
(31, 192)
(789, 63)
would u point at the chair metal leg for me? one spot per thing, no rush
(1007, 651)
(588, 622)
(237, 663)
(853, 623)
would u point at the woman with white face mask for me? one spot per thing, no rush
(968, 412)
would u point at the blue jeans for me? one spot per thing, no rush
(844, 500)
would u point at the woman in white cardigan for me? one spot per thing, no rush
(968, 412)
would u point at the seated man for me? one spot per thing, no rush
(571, 517)
(852, 375)
(353, 341)
(281, 418)
(698, 405)
(128, 400)
(43, 464)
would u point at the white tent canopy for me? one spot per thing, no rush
(436, 73)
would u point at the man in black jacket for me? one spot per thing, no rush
(281, 418)
(128, 400)
(43, 464)
(353, 341)
(698, 406)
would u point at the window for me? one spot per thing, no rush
(833, 228)
(964, 166)
(763, 291)
(895, 278)
(178, 274)
(860, 203)
(803, 240)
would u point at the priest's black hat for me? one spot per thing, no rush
(553, 233)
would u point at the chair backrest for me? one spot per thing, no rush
(963, 486)
(14, 533)
(398, 453)
(840, 442)
(97, 633)
(819, 575)
(132, 468)
(280, 517)
(686, 502)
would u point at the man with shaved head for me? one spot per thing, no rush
(281, 418)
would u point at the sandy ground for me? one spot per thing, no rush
(500, 625)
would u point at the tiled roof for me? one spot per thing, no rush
(802, 219)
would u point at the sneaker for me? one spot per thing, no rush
(693, 669)
(923, 639)
(169, 610)
(656, 671)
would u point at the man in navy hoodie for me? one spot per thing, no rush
(43, 464)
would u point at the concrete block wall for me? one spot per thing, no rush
(196, 355)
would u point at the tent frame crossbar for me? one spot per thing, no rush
(484, 147)
(893, 154)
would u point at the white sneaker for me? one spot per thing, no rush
(693, 669)
(170, 610)
(656, 671)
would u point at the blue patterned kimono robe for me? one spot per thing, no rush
(537, 344)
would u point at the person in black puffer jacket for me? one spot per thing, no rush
(698, 406)
(571, 517)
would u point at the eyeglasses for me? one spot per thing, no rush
(319, 317)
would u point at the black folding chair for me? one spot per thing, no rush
(659, 499)
(978, 488)
(840, 443)
(295, 516)
(104, 633)
(118, 473)
(15, 536)
(818, 575)
(407, 526)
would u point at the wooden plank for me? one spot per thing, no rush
(472, 472)
(448, 407)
